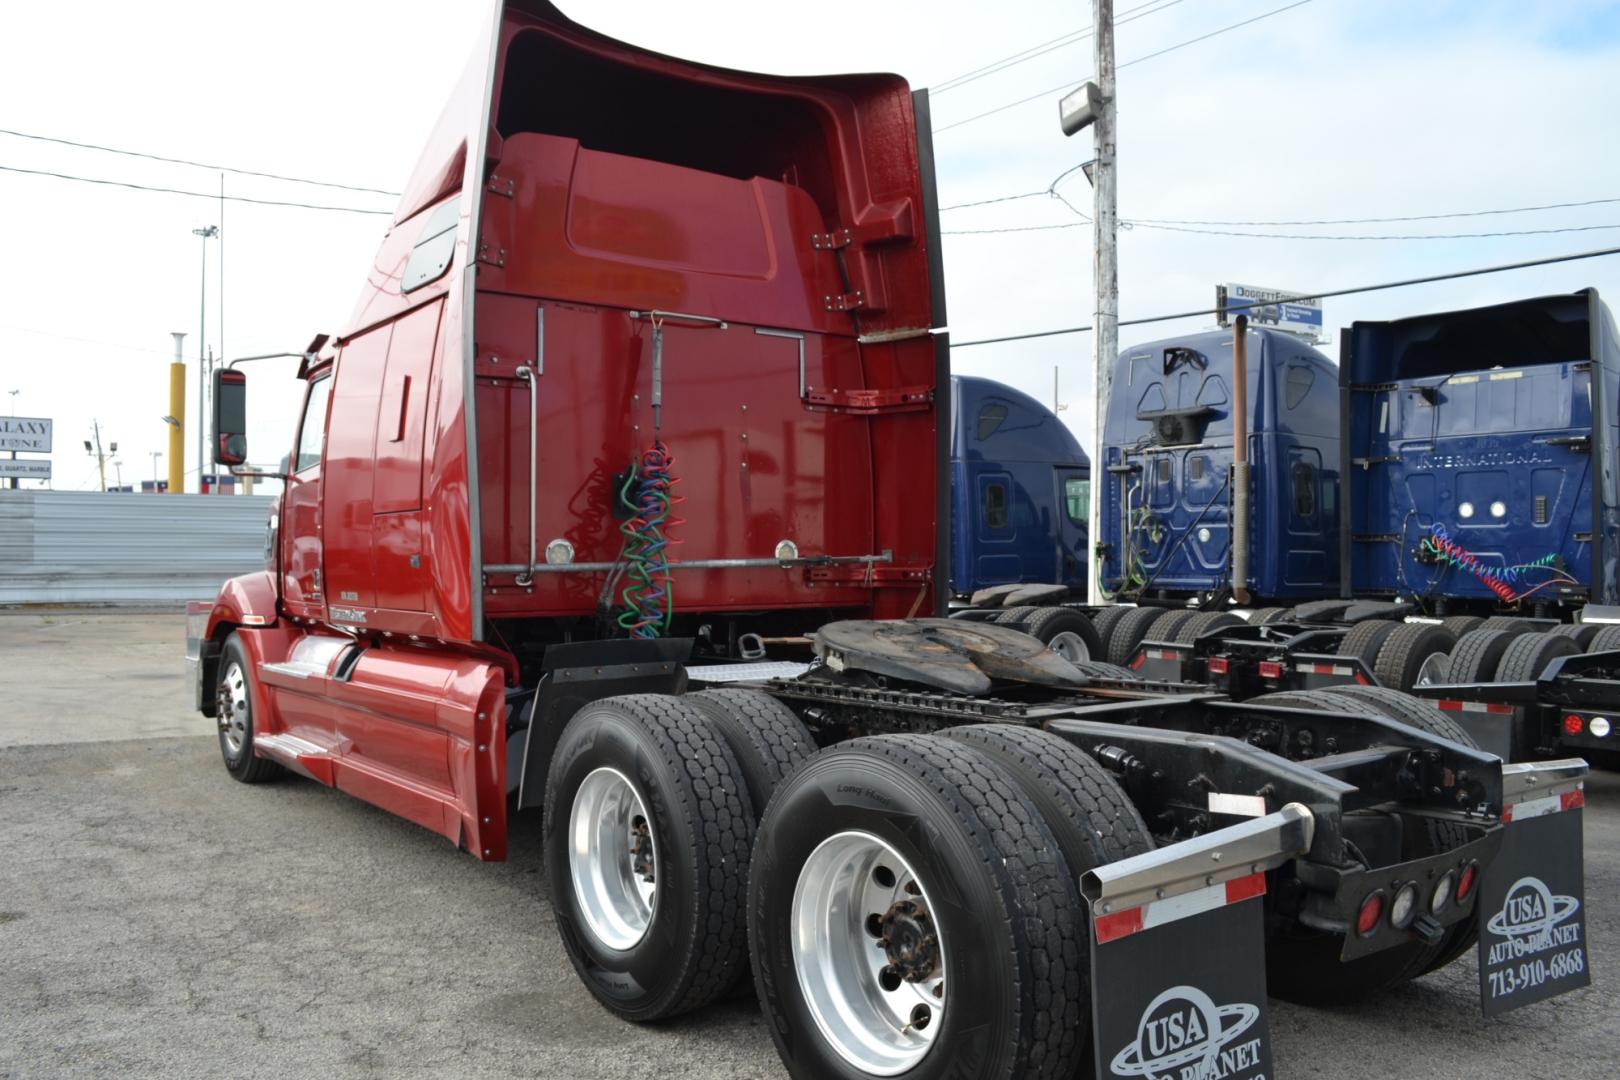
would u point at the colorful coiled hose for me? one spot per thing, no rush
(1499, 579)
(649, 594)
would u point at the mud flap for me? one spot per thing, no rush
(1532, 902)
(1178, 953)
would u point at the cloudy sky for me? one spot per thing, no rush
(1333, 109)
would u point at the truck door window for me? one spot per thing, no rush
(1304, 490)
(312, 431)
(1077, 499)
(995, 506)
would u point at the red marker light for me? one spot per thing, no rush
(1465, 881)
(1372, 909)
(1573, 725)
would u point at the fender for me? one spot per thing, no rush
(248, 600)
(245, 601)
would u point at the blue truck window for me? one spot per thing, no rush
(995, 506)
(1304, 490)
(1298, 384)
(1077, 500)
(990, 418)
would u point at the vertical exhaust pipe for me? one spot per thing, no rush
(1240, 460)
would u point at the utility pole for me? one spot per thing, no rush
(14, 394)
(95, 451)
(207, 233)
(1105, 236)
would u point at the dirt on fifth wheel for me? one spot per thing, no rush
(151, 924)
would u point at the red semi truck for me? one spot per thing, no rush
(622, 496)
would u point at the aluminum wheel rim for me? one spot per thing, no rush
(1070, 645)
(233, 708)
(612, 859)
(880, 1023)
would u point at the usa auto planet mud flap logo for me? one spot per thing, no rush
(1184, 1035)
(1182, 987)
(1532, 936)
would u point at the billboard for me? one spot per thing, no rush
(1276, 309)
(29, 434)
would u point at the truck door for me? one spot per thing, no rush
(300, 541)
(1073, 519)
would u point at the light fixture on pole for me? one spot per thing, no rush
(1080, 108)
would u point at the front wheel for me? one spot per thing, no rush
(233, 697)
(909, 914)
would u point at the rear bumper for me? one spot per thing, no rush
(1337, 895)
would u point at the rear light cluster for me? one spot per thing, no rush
(1270, 669)
(1598, 726)
(1218, 665)
(1452, 887)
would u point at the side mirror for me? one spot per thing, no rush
(230, 417)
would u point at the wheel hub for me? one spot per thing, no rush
(613, 859)
(909, 941)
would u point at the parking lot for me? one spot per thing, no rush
(159, 919)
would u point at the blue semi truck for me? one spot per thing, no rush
(1020, 491)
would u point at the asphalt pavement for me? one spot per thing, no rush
(159, 919)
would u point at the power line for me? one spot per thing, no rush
(1072, 85)
(1405, 283)
(212, 197)
(195, 164)
(1378, 220)
(1294, 236)
(1062, 41)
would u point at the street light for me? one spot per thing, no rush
(207, 233)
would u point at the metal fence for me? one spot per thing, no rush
(73, 547)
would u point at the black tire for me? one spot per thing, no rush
(1165, 626)
(1462, 624)
(1607, 640)
(1047, 624)
(1529, 654)
(1015, 616)
(1104, 620)
(1012, 929)
(1128, 633)
(768, 740)
(1401, 656)
(1099, 670)
(1204, 623)
(694, 791)
(1478, 653)
(1582, 633)
(1364, 639)
(1507, 622)
(234, 712)
(1092, 819)
(1261, 616)
(1321, 611)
